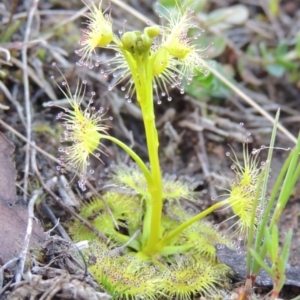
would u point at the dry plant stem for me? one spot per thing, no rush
(24, 139)
(5, 266)
(7, 53)
(31, 73)
(27, 94)
(2, 86)
(31, 217)
(203, 159)
(12, 99)
(50, 183)
(132, 11)
(248, 100)
(69, 197)
(4, 107)
(55, 221)
(21, 261)
(6, 287)
(42, 12)
(48, 35)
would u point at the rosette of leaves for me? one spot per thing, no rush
(124, 271)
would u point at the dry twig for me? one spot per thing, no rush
(32, 10)
(21, 260)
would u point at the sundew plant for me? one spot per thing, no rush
(157, 249)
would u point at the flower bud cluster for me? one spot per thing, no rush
(169, 52)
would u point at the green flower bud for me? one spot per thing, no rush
(129, 40)
(144, 43)
(152, 31)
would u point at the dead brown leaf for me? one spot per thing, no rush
(13, 217)
(7, 171)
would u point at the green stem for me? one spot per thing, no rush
(145, 98)
(165, 241)
(141, 69)
(147, 221)
(171, 250)
(252, 222)
(124, 239)
(156, 191)
(134, 156)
